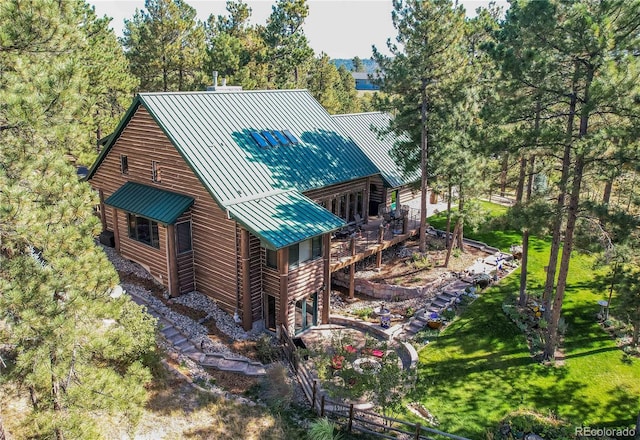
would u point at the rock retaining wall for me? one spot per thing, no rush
(387, 292)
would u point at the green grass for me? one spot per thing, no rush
(480, 369)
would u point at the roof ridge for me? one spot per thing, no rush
(262, 195)
(218, 92)
(380, 112)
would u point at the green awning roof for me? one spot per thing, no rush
(156, 204)
(280, 219)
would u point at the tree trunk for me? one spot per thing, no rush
(450, 248)
(574, 201)
(635, 338)
(448, 230)
(606, 197)
(521, 178)
(460, 236)
(559, 214)
(424, 155)
(503, 174)
(532, 161)
(522, 301)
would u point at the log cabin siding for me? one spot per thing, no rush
(376, 194)
(151, 258)
(327, 193)
(406, 194)
(213, 235)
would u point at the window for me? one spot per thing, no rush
(281, 138)
(272, 259)
(291, 137)
(294, 253)
(143, 230)
(156, 172)
(269, 137)
(259, 139)
(316, 247)
(305, 251)
(183, 237)
(124, 164)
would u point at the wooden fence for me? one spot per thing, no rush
(349, 416)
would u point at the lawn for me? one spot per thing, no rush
(479, 369)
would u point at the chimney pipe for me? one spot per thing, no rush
(215, 78)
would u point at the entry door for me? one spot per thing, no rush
(270, 313)
(306, 313)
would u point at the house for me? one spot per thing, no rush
(236, 194)
(364, 82)
(391, 187)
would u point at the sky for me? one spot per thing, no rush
(341, 29)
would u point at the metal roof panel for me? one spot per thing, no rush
(156, 204)
(361, 127)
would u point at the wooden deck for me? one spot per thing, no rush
(371, 240)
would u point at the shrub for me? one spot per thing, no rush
(266, 351)
(323, 429)
(363, 313)
(277, 390)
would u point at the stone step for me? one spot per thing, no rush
(439, 303)
(185, 346)
(414, 326)
(177, 339)
(170, 332)
(448, 295)
(253, 370)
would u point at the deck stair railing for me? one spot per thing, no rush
(349, 416)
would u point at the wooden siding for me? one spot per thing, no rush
(376, 195)
(406, 194)
(213, 235)
(151, 258)
(329, 192)
(255, 275)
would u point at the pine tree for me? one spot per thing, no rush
(76, 351)
(165, 45)
(584, 53)
(288, 51)
(420, 78)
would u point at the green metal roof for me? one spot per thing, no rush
(156, 204)
(360, 127)
(212, 130)
(283, 218)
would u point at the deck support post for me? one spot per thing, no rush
(352, 270)
(326, 292)
(283, 270)
(379, 254)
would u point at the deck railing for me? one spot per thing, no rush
(349, 416)
(369, 235)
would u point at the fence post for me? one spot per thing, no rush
(322, 406)
(418, 428)
(313, 395)
(350, 418)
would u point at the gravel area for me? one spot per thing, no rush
(195, 330)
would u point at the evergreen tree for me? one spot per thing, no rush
(288, 51)
(75, 350)
(165, 45)
(358, 65)
(322, 82)
(419, 80)
(584, 52)
(109, 83)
